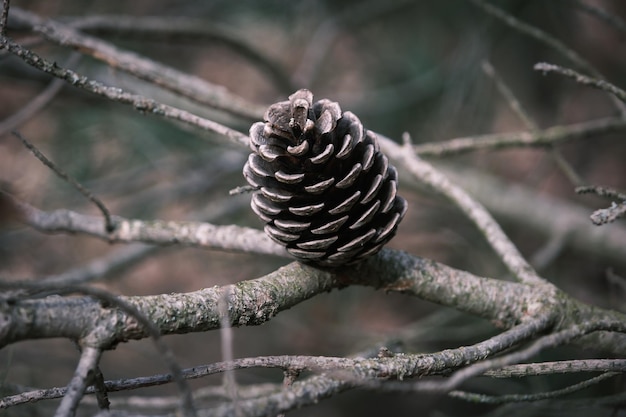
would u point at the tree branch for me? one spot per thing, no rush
(545, 215)
(513, 398)
(582, 79)
(603, 15)
(138, 102)
(206, 235)
(547, 40)
(4, 17)
(539, 138)
(34, 106)
(427, 174)
(257, 301)
(108, 224)
(181, 29)
(559, 367)
(89, 359)
(179, 82)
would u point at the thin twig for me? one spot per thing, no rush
(186, 400)
(610, 214)
(514, 398)
(546, 215)
(38, 103)
(178, 29)
(546, 39)
(4, 17)
(138, 102)
(201, 234)
(519, 110)
(290, 375)
(510, 98)
(605, 192)
(226, 338)
(559, 367)
(481, 367)
(129, 255)
(82, 377)
(603, 15)
(551, 340)
(211, 392)
(96, 337)
(552, 135)
(109, 224)
(102, 394)
(177, 81)
(354, 369)
(582, 79)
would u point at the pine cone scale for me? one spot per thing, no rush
(331, 226)
(346, 205)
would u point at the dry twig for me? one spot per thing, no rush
(610, 214)
(546, 137)
(138, 102)
(583, 79)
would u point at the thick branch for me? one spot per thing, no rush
(257, 301)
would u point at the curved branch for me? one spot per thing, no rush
(427, 174)
(316, 364)
(359, 371)
(513, 398)
(254, 302)
(257, 301)
(546, 215)
(551, 340)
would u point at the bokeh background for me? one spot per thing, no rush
(401, 66)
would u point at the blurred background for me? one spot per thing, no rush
(400, 66)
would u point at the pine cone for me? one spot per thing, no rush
(323, 188)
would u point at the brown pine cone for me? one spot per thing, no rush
(323, 188)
